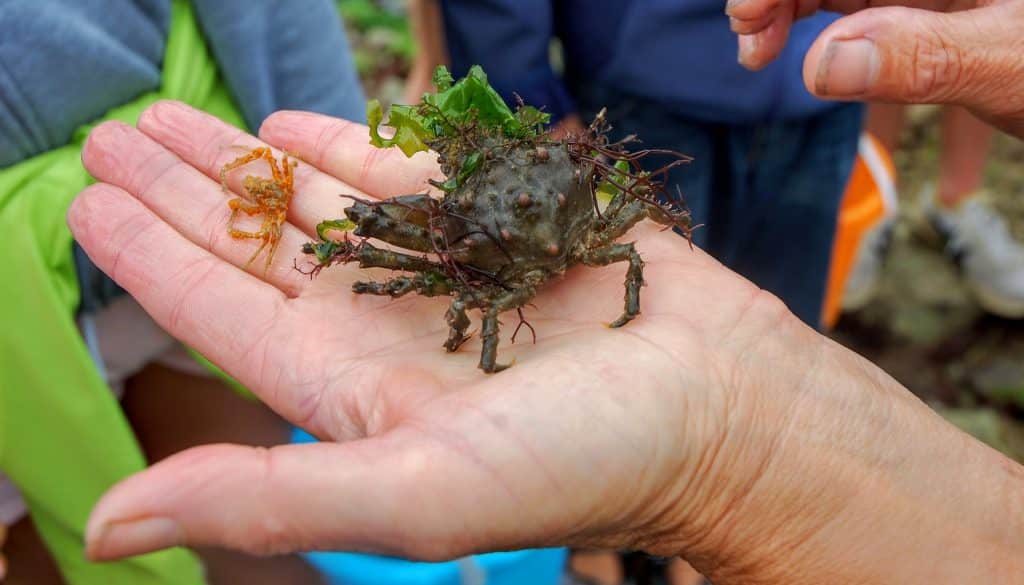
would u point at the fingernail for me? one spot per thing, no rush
(173, 124)
(290, 128)
(3, 568)
(748, 44)
(732, 4)
(119, 539)
(849, 68)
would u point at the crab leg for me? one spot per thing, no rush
(260, 235)
(269, 232)
(239, 204)
(489, 331)
(255, 154)
(489, 334)
(370, 256)
(458, 322)
(397, 233)
(624, 219)
(428, 285)
(610, 254)
(615, 205)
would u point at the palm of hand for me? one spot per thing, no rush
(450, 460)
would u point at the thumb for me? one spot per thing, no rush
(971, 58)
(382, 494)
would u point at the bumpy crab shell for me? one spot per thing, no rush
(525, 212)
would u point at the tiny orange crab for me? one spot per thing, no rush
(267, 196)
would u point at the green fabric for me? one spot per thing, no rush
(63, 437)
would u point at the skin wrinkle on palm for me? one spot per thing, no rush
(570, 398)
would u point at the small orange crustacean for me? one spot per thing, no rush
(269, 196)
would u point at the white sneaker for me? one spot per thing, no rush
(992, 261)
(873, 178)
(862, 283)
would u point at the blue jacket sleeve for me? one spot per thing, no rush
(283, 55)
(510, 39)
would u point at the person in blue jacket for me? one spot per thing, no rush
(770, 161)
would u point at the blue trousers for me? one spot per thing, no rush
(767, 194)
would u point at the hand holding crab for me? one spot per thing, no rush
(709, 421)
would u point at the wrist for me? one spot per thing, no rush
(843, 476)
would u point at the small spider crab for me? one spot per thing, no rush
(270, 197)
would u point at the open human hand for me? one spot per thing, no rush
(679, 433)
(963, 52)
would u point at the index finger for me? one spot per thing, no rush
(342, 148)
(763, 25)
(208, 144)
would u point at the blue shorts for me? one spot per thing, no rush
(535, 567)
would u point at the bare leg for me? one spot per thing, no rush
(634, 275)
(885, 122)
(966, 142)
(601, 567)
